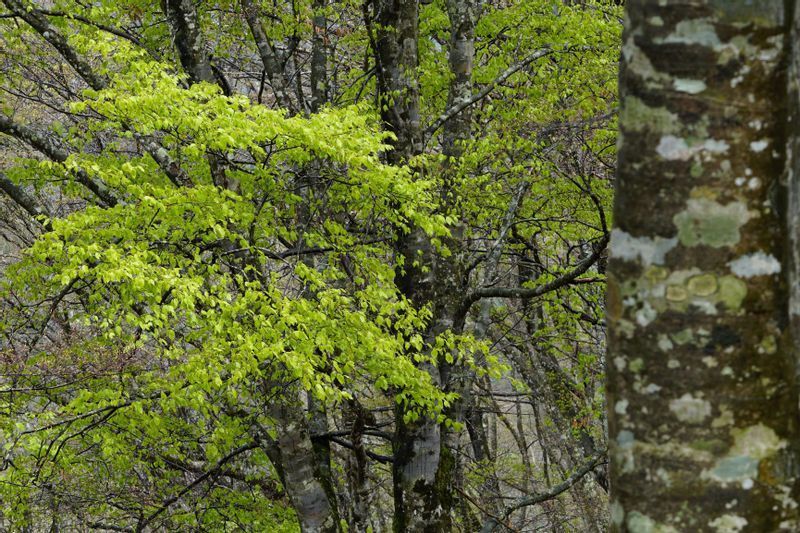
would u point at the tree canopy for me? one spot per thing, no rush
(309, 264)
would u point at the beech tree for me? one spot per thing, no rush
(702, 358)
(304, 265)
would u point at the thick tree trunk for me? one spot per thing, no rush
(182, 17)
(701, 393)
(298, 466)
(417, 445)
(793, 184)
(319, 57)
(397, 60)
(185, 26)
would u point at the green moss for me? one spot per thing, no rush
(768, 345)
(764, 14)
(683, 336)
(714, 446)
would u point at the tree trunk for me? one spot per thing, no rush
(417, 445)
(298, 465)
(701, 393)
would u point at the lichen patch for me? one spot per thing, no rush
(647, 250)
(708, 222)
(697, 31)
(755, 264)
(689, 409)
(689, 86)
(728, 523)
(674, 148)
(758, 441)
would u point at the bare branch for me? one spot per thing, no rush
(49, 33)
(563, 280)
(268, 57)
(458, 107)
(200, 479)
(47, 147)
(25, 201)
(598, 459)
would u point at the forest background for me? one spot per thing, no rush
(305, 264)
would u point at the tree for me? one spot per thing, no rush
(702, 359)
(265, 280)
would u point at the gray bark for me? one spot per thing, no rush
(269, 58)
(182, 17)
(319, 57)
(295, 460)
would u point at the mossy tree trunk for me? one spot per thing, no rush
(701, 393)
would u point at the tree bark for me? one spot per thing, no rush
(269, 58)
(296, 461)
(701, 391)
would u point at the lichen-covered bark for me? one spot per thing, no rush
(792, 176)
(182, 17)
(421, 501)
(397, 58)
(298, 465)
(319, 57)
(701, 391)
(269, 59)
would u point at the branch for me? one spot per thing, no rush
(183, 21)
(385, 459)
(119, 32)
(44, 145)
(458, 107)
(170, 167)
(492, 256)
(49, 33)
(101, 525)
(551, 493)
(567, 278)
(169, 501)
(36, 19)
(25, 201)
(268, 57)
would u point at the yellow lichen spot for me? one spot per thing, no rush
(703, 285)
(703, 192)
(725, 418)
(758, 442)
(613, 299)
(676, 293)
(768, 345)
(656, 273)
(732, 292)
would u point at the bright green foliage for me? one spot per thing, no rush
(189, 313)
(186, 287)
